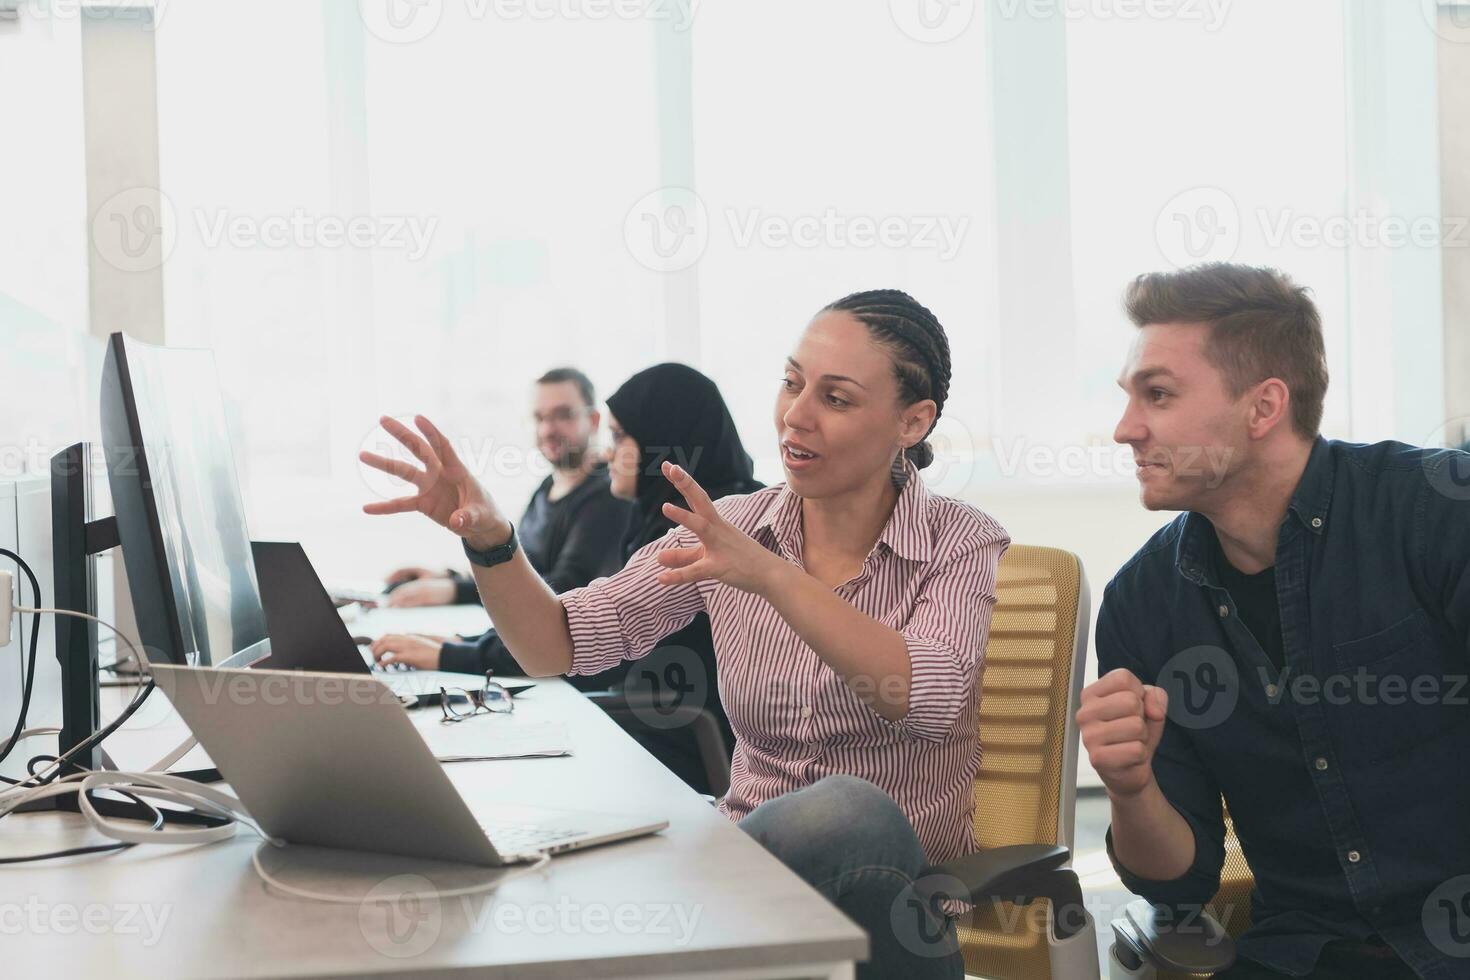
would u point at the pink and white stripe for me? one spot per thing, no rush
(931, 576)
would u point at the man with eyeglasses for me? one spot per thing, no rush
(571, 531)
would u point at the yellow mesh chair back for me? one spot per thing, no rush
(1025, 791)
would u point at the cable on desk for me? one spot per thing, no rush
(542, 859)
(28, 663)
(226, 809)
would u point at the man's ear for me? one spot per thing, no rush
(1270, 406)
(594, 419)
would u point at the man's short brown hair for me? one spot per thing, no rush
(1262, 325)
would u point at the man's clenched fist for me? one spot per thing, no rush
(1121, 721)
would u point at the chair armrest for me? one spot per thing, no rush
(1169, 940)
(637, 707)
(620, 704)
(1020, 873)
(1004, 872)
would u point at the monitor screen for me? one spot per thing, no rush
(181, 521)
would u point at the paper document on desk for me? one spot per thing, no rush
(488, 737)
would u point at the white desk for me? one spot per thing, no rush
(700, 899)
(432, 620)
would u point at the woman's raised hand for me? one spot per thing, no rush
(724, 552)
(448, 493)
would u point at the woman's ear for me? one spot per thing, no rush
(916, 420)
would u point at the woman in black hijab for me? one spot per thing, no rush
(673, 412)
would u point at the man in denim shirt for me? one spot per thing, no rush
(1298, 640)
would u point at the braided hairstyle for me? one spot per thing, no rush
(918, 345)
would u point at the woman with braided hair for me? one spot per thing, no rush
(849, 608)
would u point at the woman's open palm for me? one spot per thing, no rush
(448, 494)
(723, 552)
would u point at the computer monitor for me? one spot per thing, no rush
(25, 528)
(180, 519)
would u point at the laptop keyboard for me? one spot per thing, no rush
(523, 838)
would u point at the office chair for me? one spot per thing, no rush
(1029, 921)
(1145, 947)
(630, 709)
(691, 737)
(1025, 805)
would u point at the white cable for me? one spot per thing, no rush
(271, 881)
(32, 782)
(159, 785)
(81, 615)
(167, 760)
(162, 764)
(173, 789)
(5, 743)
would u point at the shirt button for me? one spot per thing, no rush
(1322, 766)
(1224, 610)
(1316, 522)
(1354, 857)
(806, 711)
(1270, 690)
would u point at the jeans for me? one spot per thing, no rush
(850, 841)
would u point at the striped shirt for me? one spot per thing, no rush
(931, 576)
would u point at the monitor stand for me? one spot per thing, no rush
(75, 541)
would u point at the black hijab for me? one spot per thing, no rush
(673, 412)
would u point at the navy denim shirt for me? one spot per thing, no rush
(1347, 774)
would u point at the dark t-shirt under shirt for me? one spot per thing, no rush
(1255, 599)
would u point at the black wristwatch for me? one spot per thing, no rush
(492, 556)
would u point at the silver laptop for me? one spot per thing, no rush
(333, 760)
